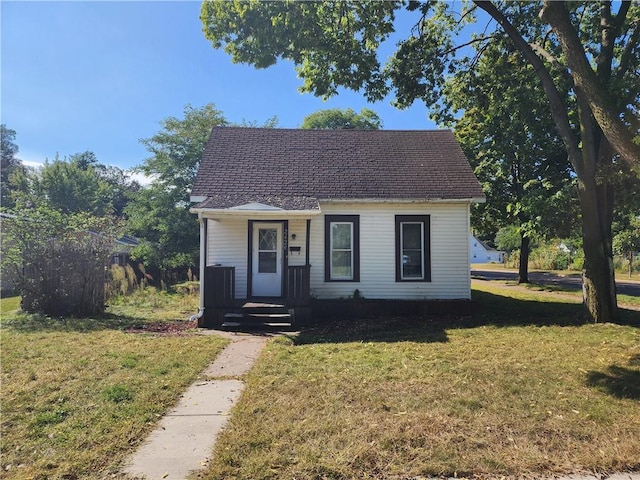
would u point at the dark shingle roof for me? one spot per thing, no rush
(292, 168)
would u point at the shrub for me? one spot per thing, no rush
(623, 265)
(577, 261)
(59, 261)
(550, 256)
(512, 259)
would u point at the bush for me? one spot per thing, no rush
(577, 261)
(59, 261)
(551, 256)
(512, 259)
(621, 264)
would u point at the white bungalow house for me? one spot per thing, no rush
(480, 252)
(300, 219)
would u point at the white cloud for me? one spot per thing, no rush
(32, 163)
(139, 177)
(31, 159)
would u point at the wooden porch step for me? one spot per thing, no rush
(258, 314)
(265, 316)
(271, 325)
(262, 305)
(254, 308)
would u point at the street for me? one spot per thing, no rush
(572, 281)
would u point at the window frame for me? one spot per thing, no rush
(273, 251)
(425, 220)
(354, 220)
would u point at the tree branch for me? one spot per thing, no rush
(479, 54)
(586, 82)
(621, 15)
(468, 12)
(609, 32)
(627, 53)
(548, 57)
(470, 42)
(556, 101)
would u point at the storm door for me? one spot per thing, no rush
(266, 262)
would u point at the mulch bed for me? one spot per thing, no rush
(166, 328)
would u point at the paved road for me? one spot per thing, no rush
(573, 281)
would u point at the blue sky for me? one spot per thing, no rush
(100, 76)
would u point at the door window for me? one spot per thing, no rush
(267, 250)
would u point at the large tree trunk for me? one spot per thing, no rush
(598, 279)
(596, 204)
(598, 276)
(523, 270)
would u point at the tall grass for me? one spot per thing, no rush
(122, 280)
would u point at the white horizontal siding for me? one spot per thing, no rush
(227, 246)
(298, 228)
(479, 254)
(449, 252)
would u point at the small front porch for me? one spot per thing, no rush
(223, 309)
(255, 259)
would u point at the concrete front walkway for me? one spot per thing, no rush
(184, 438)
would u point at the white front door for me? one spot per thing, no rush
(266, 265)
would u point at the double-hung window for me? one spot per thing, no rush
(413, 255)
(342, 248)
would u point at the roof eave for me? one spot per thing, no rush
(404, 200)
(227, 212)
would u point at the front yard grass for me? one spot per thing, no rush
(623, 300)
(522, 388)
(79, 395)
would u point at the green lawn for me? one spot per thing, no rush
(623, 300)
(78, 395)
(522, 388)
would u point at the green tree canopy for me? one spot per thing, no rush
(177, 148)
(336, 118)
(508, 239)
(508, 135)
(335, 44)
(73, 185)
(10, 165)
(159, 214)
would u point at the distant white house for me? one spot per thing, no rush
(479, 252)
